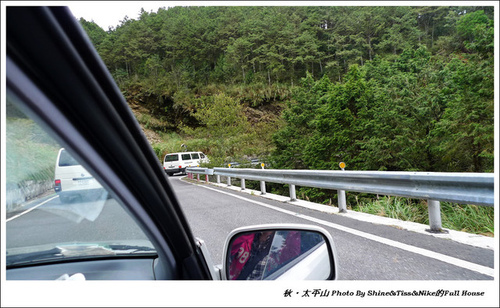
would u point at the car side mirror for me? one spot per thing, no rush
(275, 252)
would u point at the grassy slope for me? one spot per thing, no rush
(31, 153)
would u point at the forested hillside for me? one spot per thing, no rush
(380, 88)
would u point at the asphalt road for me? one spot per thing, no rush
(366, 251)
(213, 215)
(53, 222)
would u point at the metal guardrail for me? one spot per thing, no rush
(468, 188)
(199, 170)
(465, 188)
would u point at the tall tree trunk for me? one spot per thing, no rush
(432, 35)
(370, 48)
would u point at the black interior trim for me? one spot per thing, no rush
(103, 269)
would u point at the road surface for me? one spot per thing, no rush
(366, 251)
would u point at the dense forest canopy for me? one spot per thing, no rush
(380, 88)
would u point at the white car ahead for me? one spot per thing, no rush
(177, 162)
(73, 182)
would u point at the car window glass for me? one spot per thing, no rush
(186, 156)
(171, 157)
(65, 159)
(58, 211)
(195, 156)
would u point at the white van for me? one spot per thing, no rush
(73, 182)
(177, 162)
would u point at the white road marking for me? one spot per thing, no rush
(31, 209)
(424, 252)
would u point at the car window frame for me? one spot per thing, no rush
(98, 126)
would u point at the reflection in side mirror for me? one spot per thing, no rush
(279, 253)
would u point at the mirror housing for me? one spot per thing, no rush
(279, 252)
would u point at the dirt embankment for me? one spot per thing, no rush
(152, 116)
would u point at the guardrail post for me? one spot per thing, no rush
(342, 202)
(206, 178)
(242, 184)
(341, 194)
(262, 184)
(218, 179)
(198, 177)
(293, 196)
(434, 209)
(229, 178)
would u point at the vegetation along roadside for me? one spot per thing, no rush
(381, 88)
